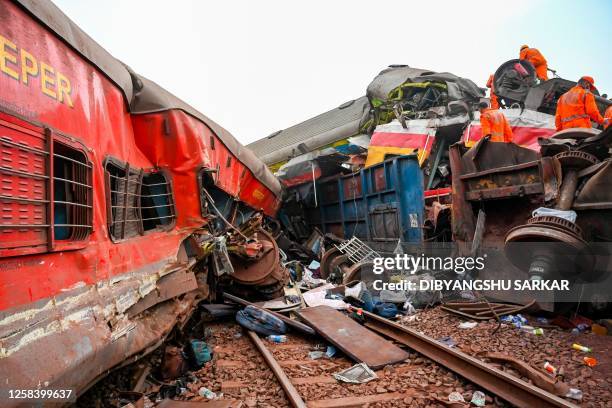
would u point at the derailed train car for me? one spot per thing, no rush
(111, 190)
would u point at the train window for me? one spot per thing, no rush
(123, 185)
(72, 209)
(45, 191)
(157, 208)
(138, 201)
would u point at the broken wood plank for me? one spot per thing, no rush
(356, 341)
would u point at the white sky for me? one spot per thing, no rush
(260, 66)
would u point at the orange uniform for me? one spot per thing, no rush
(538, 61)
(493, 97)
(608, 117)
(576, 108)
(494, 123)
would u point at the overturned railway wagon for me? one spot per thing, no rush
(105, 179)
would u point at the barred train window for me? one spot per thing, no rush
(139, 202)
(157, 208)
(71, 191)
(45, 192)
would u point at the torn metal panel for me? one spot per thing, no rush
(70, 339)
(390, 78)
(357, 342)
(167, 287)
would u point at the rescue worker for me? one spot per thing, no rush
(608, 117)
(494, 124)
(536, 58)
(576, 108)
(492, 96)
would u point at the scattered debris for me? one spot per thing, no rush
(550, 368)
(467, 325)
(580, 347)
(260, 321)
(275, 338)
(447, 341)
(206, 393)
(357, 374)
(455, 397)
(478, 399)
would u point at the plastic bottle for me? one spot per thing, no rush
(550, 368)
(277, 338)
(579, 347)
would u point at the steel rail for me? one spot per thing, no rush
(499, 383)
(292, 395)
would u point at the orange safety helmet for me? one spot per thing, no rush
(524, 46)
(588, 79)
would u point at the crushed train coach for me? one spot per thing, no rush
(116, 196)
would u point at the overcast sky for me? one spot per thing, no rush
(260, 66)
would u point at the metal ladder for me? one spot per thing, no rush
(357, 251)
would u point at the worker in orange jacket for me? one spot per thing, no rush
(492, 96)
(536, 58)
(608, 117)
(576, 108)
(494, 124)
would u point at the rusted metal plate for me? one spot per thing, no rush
(357, 342)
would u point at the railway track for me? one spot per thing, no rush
(431, 373)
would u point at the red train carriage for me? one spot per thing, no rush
(101, 182)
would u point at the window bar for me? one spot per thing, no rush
(145, 207)
(73, 182)
(139, 210)
(156, 184)
(50, 192)
(88, 195)
(119, 178)
(140, 195)
(72, 160)
(75, 212)
(125, 195)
